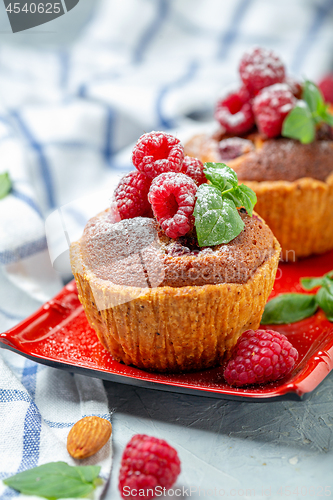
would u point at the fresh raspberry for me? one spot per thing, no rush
(194, 169)
(326, 87)
(147, 463)
(234, 112)
(270, 108)
(260, 356)
(172, 197)
(158, 152)
(131, 195)
(261, 68)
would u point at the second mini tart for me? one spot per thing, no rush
(293, 183)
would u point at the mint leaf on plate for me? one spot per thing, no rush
(289, 308)
(56, 480)
(299, 124)
(216, 218)
(5, 185)
(324, 299)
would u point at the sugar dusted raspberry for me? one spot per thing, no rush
(158, 152)
(261, 68)
(270, 108)
(234, 112)
(172, 197)
(147, 463)
(260, 356)
(326, 87)
(194, 169)
(131, 196)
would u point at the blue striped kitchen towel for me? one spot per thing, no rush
(68, 117)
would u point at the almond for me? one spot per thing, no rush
(88, 436)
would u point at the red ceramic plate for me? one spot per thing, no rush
(58, 335)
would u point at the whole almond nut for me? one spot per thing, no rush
(88, 436)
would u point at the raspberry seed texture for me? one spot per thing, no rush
(271, 107)
(172, 197)
(194, 169)
(260, 356)
(131, 195)
(261, 68)
(147, 463)
(234, 112)
(158, 152)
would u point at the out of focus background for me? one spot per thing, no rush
(77, 92)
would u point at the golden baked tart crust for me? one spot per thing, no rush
(168, 328)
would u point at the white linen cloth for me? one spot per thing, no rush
(68, 118)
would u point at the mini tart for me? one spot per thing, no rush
(163, 327)
(294, 187)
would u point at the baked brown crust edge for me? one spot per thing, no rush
(168, 329)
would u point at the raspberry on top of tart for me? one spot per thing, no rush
(277, 134)
(186, 268)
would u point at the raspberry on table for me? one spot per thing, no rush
(172, 197)
(131, 196)
(158, 152)
(261, 68)
(271, 107)
(326, 87)
(234, 112)
(260, 356)
(193, 167)
(147, 463)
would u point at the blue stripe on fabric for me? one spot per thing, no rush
(229, 36)
(32, 421)
(11, 316)
(62, 425)
(152, 30)
(306, 43)
(191, 70)
(23, 251)
(109, 132)
(32, 424)
(7, 395)
(44, 166)
(29, 201)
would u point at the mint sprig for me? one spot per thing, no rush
(5, 185)
(301, 122)
(292, 307)
(216, 216)
(56, 480)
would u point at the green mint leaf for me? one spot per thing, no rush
(299, 124)
(313, 97)
(216, 218)
(327, 117)
(55, 480)
(311, 283)
(220, 175)
(5, 185)
(243, 196)
(324, 298)
(289, 308)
